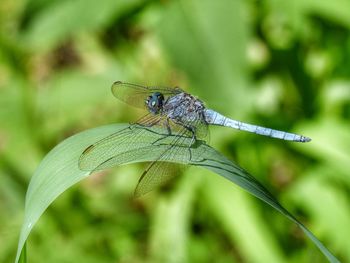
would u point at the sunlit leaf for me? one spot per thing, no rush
(335, 10)
(237, 215)
(62, 19)
(59, 171)
(209, 48)
(334, 207)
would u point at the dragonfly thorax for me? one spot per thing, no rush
(154, 102)
(184, 109)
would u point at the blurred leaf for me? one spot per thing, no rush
(238, 216)
(171, 222)
(336, 10)
(334, 208)
(330, 142)
(59, 171)
(208, 43)
(71, 96)
(63, 19)
(296, 13)
(334, 97)
(16, 135)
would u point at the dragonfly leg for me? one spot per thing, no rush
(149, 124)
(167, 126)
(193, 139)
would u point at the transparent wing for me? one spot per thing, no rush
(163, 169)
(116, 149)
(201, 130)
(157, 174)
(179, 149)
(109, 151)
(105, 150)
(136, 95)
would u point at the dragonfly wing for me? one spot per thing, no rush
(157, 174)
(164, 169)
(103, 154)
(201, 129)
(136, 95)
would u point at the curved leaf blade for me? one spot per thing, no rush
(59, 170)
(56, 173)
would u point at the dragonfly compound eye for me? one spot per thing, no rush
(155, 102)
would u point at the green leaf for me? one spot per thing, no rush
(334, 207)
(236, 214)
(65, 18)
(337, 11)
(169, 238)
(210, 48)
(59, 171)
(23, 256)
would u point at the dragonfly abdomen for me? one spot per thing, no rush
(215, 118)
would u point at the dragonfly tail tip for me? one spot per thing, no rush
(306, 139)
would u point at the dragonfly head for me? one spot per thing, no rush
(154, 102)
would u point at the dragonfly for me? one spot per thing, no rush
(173, 116)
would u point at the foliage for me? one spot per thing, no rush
(60, 170)
(281, 64)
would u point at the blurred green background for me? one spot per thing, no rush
(280, 64)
